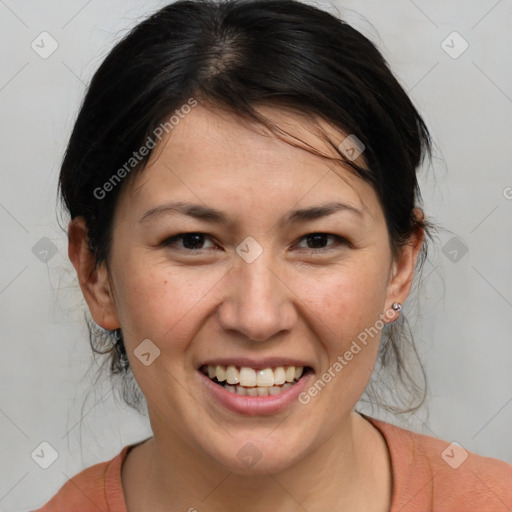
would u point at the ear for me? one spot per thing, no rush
(93, 280)
(402, 273)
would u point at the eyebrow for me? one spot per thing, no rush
(214, 216)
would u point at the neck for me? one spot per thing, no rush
(335, 475)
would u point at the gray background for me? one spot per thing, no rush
(466, 302)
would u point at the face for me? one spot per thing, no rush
(255, 286)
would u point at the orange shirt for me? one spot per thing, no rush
(428, 475)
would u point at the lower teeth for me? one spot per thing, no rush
(257, 391)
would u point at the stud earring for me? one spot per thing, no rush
(397, 306)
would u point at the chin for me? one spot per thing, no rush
(257, 455)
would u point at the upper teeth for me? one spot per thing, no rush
(249, 377)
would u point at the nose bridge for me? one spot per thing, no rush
(258, 304)
(258, 281)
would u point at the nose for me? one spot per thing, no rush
(258, 302)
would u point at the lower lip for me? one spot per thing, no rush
(255, 405)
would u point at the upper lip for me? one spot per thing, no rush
(257, 364)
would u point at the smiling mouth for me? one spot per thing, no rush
(250, 382)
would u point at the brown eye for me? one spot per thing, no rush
(320, 241)
(190, 241)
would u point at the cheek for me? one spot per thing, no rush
(160, 303)
(347, 314)
(346, 306)
(347, 299)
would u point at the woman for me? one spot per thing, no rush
(241, 182)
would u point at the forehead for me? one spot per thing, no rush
(213, 155)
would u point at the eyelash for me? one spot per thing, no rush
(169, 242)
